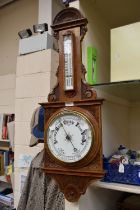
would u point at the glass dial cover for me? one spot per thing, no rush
(69, 136)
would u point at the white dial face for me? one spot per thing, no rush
(69, 137)
(68, 62)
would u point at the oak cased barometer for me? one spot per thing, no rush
(72, 133)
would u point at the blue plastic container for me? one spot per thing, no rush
(131, 173)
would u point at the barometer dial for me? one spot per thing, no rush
(69, 136)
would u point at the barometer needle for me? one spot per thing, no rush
(68, 137)
(63, 128)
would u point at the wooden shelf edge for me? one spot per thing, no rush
(4, 140)
(3, 179)
(4, 148)
(116, 186)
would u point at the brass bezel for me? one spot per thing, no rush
(86, 116)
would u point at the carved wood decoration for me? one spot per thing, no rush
(72, 101)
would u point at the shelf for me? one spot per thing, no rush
(109, 10)
(4, 148)
(4, 140)
(4, 144)
(4, 185)
(119, 187)
(3, 179)
(129, 90)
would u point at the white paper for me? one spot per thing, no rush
(121, 168)
(24, 161)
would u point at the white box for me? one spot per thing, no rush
(125, 53)
(33, 85)
(35, 43)
(33, 63)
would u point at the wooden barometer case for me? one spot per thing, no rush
(72, 133)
